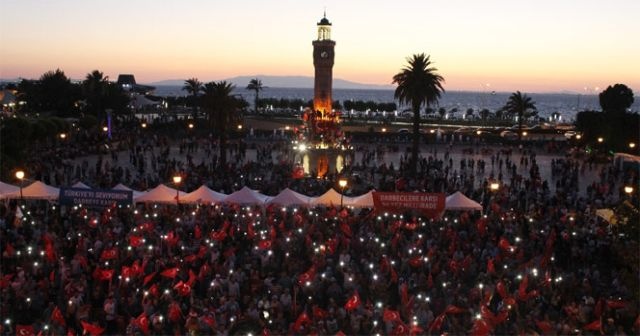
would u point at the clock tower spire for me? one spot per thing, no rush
(323, 56)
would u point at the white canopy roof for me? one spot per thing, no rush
(289, 197)
(203, 195)
(331, 197)
(36, 190)
(246, 196)
(6, 188)
(136, 193)
(80, 185)
(459, 201)
(362, 201)
(159, 194)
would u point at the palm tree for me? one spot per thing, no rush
(95, 87)
(256, 85)
(418, 84)
(521, 105)
(222, 113)
(193, 87)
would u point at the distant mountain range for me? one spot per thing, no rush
(284, 82)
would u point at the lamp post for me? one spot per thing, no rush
(494, 186)
(628, 190)
(20, 176)
(176, 180)
(343, 184)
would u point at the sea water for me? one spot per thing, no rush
(567, 104)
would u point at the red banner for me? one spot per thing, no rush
(430, 204)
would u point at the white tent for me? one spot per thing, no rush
(606, 214)
(289, 197)
(159, 194)
(246, 196)
(135, 193)
(331, 197)
(80, 185)
(362, 201)
(203, 195)
(36, 190)
(459, 201)
(6, 188)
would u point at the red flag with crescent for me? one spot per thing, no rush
(353, 302)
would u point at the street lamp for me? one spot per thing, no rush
(190, 125)
(628, 189)
(176, 180)
(20, 176)
(143, 125)
(494, 186)
(239, 127)
(342, 183)
(600, 139)
(63, 136)
(105, 128)
(524, 133)
(632, 145)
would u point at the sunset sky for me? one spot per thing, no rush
(502, 45)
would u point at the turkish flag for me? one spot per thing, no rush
(24, 330)
(302, 319)
(109, 254)
(504, 245)
(192, 278)
(135, 241)
(481, 328)
(616, 304)
(353, 302)
(594, 326)
(390, 315)
(307, 276)
(183, 289)
(264, 244)
(346, 229)
(174, 312)
(153, 290)
(491, 268)
(451, 309)
(436, 325)
(219, 235)
(544, 326)
(210, 321)
(148, 278)
(142, 322)
(170, 272)
(50, 252)
(319, 313)
(6, 280)
(298, 172)
(136, 269)
(401, 329)
(94, 330)
(416, 261)
(126, 272)
(172, 239)
(146, 227)
(102, 274)
(56, 316)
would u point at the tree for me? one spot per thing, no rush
(616, 99)
(56, 93)
(521, 105)
(94, 88)
(418, 85)
(222, 112)
(256, 86)
(193, 87)
(484, 114)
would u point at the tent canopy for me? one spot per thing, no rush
(6, 188)
(135, 193)
(362, 201)
(289, 197)
(37, 190)
(331, 197)
(203, 195)
(459, 201)
(80, 185)
(159, 194)
(246, 196)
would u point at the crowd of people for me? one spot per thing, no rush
(538, 260)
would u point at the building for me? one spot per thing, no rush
(128, 83)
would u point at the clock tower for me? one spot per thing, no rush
(323, 56)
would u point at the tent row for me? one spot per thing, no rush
(244, 196)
